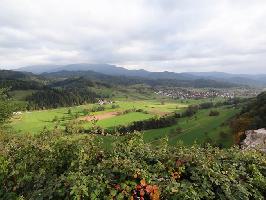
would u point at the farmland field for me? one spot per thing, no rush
(199, 128)
(121, 120)
(33, 122)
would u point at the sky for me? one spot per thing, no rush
(156, 35)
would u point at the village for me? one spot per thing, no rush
(203, 93)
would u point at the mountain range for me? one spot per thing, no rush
(113, 70)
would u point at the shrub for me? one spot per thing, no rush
(214, 113)
(55, 166)
(97, 108)
(206, 105)
(114, 106)
(86, 111)
(190, 111)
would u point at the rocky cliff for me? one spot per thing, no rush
(255, 139)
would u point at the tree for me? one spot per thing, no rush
(6, 108)
(206, 105)
(190, 111)
(214, 113)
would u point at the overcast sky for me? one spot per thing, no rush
(157, 35)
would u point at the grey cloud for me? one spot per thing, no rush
(174, 35)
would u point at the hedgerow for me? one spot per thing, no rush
(53, 165)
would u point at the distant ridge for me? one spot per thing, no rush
(108, 69)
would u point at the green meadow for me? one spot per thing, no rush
(35, 121)
(199, 128)
(120, 120)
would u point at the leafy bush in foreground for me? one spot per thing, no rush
(57, 166)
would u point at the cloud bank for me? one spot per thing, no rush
(157, 35)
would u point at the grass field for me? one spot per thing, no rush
(33, 122)
(197, 129)
(20, 95)
(121, 120)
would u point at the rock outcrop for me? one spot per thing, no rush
(255, 139)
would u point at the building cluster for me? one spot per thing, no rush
(104, 102)
(194, 93)
(17, 113)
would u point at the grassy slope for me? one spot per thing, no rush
(35, 121)
(195, 129)
(20, 95)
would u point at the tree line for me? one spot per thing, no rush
(58, 97)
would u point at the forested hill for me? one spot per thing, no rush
(21, 80)
(253, 115)
(131, 80)
(257, 80)
(53, 77)
(256, 111)
(16, 75)
(68, 88)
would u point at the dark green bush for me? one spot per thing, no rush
(58, 166)
(214, 113)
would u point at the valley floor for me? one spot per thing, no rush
(200, 128)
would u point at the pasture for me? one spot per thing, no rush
(35, 121)
(120, 120)
(199, 128)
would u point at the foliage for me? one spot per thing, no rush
(252, 116)
(21, 85)
(256, 111)
(114, 106)
(6, 107)
(214, 113)
(53, 98)
(206, 105)
(58, 166)
(152, 123)
(190, 111)
(97, 108)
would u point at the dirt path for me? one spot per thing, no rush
(100, 116)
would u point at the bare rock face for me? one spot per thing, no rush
(255, 139)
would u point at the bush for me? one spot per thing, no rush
(206, 105)
(214, 113)
(114, 106)
(86, 111)
(97, 108)
(190, 111)
(6, 107)
(55, 166)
